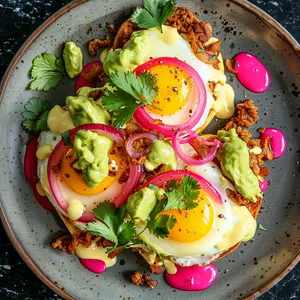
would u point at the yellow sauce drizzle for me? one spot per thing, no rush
(40, 189)
(94, 252)
(168, 36)
(244, 230)
(75, 209)
(44, 151)
(170, 267)
(59, 120)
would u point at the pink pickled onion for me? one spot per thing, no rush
(178, 139)
(30, 170)
(147, 121)
(81, 80)
(60, 150)
(160, 180)
(133, 138)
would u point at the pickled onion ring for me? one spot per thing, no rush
(179, 139)
(146, 121)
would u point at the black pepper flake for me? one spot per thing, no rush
(175, 89)
(68, 175)
(221, 216)
(169, 99)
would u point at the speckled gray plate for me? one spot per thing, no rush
(248, 271)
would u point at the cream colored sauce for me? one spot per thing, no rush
(94, 252)
(244, 230)
(256, 150)
(75, 209)
(59, 120)
(40, 189)
(103, 55)
(170, 267)
(168, 36)
(44, 151)
(224, 104)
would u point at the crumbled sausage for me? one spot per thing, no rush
(157, 268)
(231, 65)
(96, 44)
(137, 278)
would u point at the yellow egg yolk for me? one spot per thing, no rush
(73, 178)
(174, 86)
(192, 224)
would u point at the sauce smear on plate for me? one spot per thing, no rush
(278, 141)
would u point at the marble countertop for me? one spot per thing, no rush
(18, 20)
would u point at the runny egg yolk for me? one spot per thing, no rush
(174, 86)
(192, 224)
(73, 178)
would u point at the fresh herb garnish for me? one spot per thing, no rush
(66, 138)
(47, 72)
(261, 227)
(154, 14)
(200, 50)
(127, 93)
(112, 225)
(212, 58)
(177, 196)
(35, 114)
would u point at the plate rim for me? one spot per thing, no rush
(253, 9)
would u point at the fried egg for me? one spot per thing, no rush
(80, 197)
(175, 103)
(203, 233)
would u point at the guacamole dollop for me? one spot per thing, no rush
(92, 151)
(128, 58)
(161, 153)
(85, 110)
(141, 203)
(73, 57)
(234, 159)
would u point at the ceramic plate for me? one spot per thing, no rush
(252, 268)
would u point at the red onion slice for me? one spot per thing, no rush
(179, 139)
(130, 142)
(147, 121)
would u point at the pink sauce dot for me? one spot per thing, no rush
(194, 278)
(252, 73)
(93, 265)
(278, 141)
(263, 185)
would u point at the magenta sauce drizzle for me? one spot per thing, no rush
(263, 185)
(278, 141)
(251, 72)
(194, 278)
(93, 265)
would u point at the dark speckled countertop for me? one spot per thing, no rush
(19, 18)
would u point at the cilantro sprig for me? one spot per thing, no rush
(154, 14)
(35, 114)
(112, 225)
(127, 92)
(177, 196)
(47, 72)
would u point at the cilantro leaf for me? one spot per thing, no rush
(125, 232)
(66, 138)
(120, 105)
(128, 92)
(47, 72)
(182, 196)
(100, 229)
(160, 227)
(35, 114)
(154, 14)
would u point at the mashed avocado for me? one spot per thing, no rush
(92, 151)
(85, 110)
(234, 159)
(73, 57)
(141, 203)
(161, 153)
(128, 58)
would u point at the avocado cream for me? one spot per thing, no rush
(234, 159)
(141, 203)
(85, 110)
(73, 57)
(128, 58)
(92, 151)
(161, 153)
